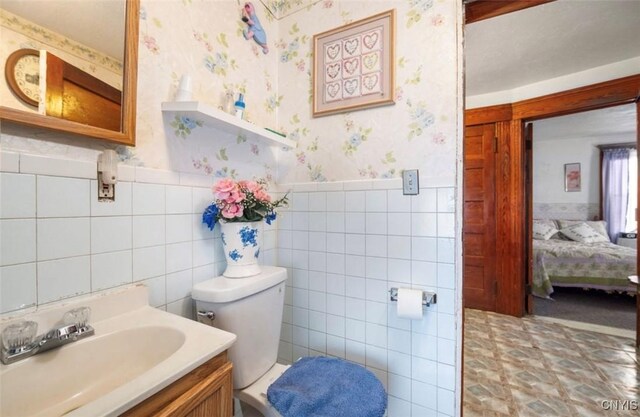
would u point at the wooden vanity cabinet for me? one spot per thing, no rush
(207, 391)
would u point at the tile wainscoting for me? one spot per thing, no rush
(57, 241)
(345, 244)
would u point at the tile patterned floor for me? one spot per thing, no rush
(531, 368)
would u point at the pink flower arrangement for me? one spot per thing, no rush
(241, 201)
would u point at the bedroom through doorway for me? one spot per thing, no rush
(582, 183)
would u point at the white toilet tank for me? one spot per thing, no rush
(251, 308)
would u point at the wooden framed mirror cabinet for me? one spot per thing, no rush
(71, 67)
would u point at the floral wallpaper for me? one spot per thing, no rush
(203, 39)
(208, 45)
(282, 8)
(417, 132)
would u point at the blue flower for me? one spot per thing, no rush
(427, 120)
(209, 64)
(270, 217)
(355, 139)
(235, 255)
(248, 236)
(210, 216)
(188, 123)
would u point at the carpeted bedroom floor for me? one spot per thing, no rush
(595, 307)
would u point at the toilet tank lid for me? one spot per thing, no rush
(223, 290)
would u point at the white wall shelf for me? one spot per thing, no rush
(218, 119)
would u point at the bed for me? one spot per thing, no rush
(558, 261)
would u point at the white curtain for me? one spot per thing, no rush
(615, 190)
(631, 224)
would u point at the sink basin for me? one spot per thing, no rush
(64, 379)
(136, 351)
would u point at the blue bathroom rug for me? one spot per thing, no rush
(327, 387)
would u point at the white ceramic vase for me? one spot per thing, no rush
(241, 245)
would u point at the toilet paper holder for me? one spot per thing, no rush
(428, 297)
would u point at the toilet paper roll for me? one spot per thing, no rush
(409, 303)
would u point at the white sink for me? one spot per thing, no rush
(131, 356)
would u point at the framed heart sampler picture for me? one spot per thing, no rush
(353, 66)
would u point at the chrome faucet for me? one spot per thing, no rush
(19, 340)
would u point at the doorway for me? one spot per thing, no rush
(582, 175)
(515, 365)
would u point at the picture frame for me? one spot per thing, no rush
(572, 177)
(353, 66)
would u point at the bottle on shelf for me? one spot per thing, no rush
(240, 106)
(229, 102)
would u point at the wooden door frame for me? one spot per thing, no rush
(510, 176)
(476, 10)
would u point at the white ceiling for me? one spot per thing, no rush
(613, 122)
(98, 24)
(547, 41)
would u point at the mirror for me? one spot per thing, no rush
(70, 66)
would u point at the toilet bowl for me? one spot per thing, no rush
(252, 308)
(255, 395)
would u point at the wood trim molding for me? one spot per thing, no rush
(510, 174)
(491, 114)
(131, 75)
(510, 222)
(484, 9)
(61, 125)
(591, 97)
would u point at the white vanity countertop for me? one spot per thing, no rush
(128, 332)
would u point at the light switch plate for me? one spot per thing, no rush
(410, 184)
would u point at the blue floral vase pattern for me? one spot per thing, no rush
(241, 243)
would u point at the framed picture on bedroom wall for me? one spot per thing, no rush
(572, 177)
(353, 66)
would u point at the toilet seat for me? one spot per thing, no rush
(256, 394)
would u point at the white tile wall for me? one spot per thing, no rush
(18, 241)
(63, 237)
(344, 245)
(63, 197)
(57, 241)
(110, 270)
(337, 293)
(18, 196)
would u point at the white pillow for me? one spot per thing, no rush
(599, 226)
(583, 233)
(543, 231)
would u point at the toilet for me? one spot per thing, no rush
(251, 308)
